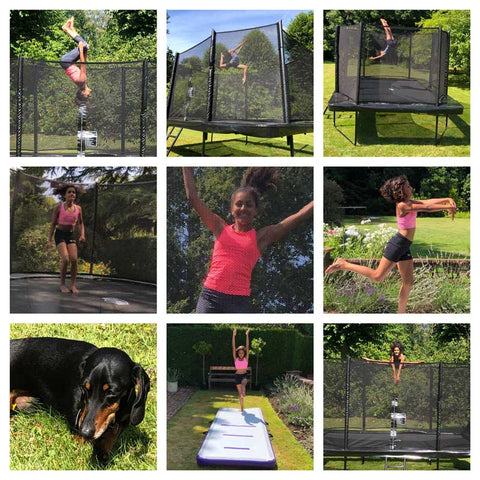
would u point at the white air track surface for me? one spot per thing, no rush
(237, 438)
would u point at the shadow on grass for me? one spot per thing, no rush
(228, 148)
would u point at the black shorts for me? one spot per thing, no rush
(211, 301)
(239, 377)
(398, 249)
(66, 236)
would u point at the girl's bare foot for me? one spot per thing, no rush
(64, 289)
(335, 266)
(74, 289)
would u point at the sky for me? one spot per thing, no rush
(189, 27)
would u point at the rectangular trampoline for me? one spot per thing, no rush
(411, 78)
(435, 399)
(237, 439)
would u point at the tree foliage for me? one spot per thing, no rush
(113, 35)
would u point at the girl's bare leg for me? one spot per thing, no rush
(406, 272)
(244, 68)
(64, 258)
(73, 256)
(239, 389)
(375, 275)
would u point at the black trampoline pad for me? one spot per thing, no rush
(34, 294)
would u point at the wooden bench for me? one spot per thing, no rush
(225, 375)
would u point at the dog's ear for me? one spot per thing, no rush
(81, 366)
(142, 384)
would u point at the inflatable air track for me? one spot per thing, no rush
(237, 439)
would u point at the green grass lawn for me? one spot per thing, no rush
(41, 440)
(185, 430)
(189, 144)
(395, 135)
(336, 463)
(434, 235)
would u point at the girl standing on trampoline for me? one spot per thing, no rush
(77, 75)
(238, 246)
(234, 61)
(240, 359)
(66, 217)
(397, 252)
(390, 40)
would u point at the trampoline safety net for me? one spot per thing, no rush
(413, 71)
(121, 109)
(120, 228)
(357, 407)
(279, 86)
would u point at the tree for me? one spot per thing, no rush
(300, 30)
(256, 347)
(203, 348)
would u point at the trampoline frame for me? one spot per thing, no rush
(443, 106)
(394, 452)
(264, 129)
(82, 116)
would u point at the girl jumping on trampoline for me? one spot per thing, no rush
(397, 252)
(238, 246)
(66, 217)
(77, 74)
(389, 38)
(396, 361)
(240, 359)
(234, 61)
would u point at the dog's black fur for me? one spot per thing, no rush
(100, 391)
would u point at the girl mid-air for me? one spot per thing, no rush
(238, 246)
(240, 359)
(397, 252)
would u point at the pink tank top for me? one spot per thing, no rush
(68, 218)
(234, 256)
(74, 73)
(408, 221)
(241, 364)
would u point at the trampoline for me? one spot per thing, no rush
(41, 294)
(275, 101)
(119, 119)
(434, 399)
(411, 78)
(116, 263)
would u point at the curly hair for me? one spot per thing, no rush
(60, 189)
(256, 181)
(396, 343)
(392, 190)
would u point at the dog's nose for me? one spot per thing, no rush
(87, 431)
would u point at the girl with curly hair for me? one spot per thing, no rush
(238, 246)
(397, 251)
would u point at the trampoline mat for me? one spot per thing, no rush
(391, 90)
(408, 443)
(37, 294)
(237, 439)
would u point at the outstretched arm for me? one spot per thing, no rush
(267, 235)
(210, 219)
(247, 344)
(379, 362)
(429, 205)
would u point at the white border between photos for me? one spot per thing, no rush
(161, 162)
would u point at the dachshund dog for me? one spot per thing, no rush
(100, 391)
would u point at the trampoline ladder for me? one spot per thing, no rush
(170, 134)
(398, 467)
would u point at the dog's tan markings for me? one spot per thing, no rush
(87, 385)
(106, 387)
(104, 418)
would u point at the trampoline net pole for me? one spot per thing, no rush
(439, 66)
(123, 114)
(439, 405)
(172, 84)
(347, 404)
(359, 65)
(211, 76)
(35, 109)
(283, 73)
(94, 229)
(337, 41)
(143, 112)
(18, 143)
